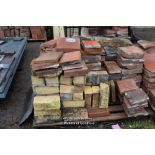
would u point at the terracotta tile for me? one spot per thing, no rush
(91, 58)
(68, 44)
(131, 52)
(136, 97)
(77, 72)
(150, 67)
(126, 85)
(91, 44)
(146, 44)
(148, 85)
(149, 58)
(71, 58)
(112, 67)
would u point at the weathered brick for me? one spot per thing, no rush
(145, 44)
(73, 104)
(88, 95)
(37, 81)
(112, 90)
(65, 80)
(68, 89)
(104, 95)
(46, 102)
(46, 90)
(52, 81)
(79, 80)
(95, 97)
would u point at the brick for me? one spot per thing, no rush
(56, 112)
(104, 95)
(98, 112)
(79, 80)
(77, 72)
(95, 96)
(37, 81)
(74, 104)
(74, 114)
(126, 85)
(146, 44)
(71, 58)
(152, 98)
(66, 89)
(2, 34)
(88, 95)
(68, 44)
(52, 81)
(65, 80)
(46, 90)
(78, 96)
(131, 52)
(112, 90)
(66, 92)
(112, 67)
(47, 102)
(96, 77)
(148, 73)
(151, 80)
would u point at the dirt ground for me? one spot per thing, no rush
(12, 107)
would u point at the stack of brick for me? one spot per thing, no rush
(133, 98)
(23, 31)
(131, 60)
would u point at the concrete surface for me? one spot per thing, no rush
(12, 106)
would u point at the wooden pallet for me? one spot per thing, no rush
(116, 113)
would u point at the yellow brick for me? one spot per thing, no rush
(46, 102)
(52, 81)
(95, 89)
(65, 80)
(37, 81)
(88, 90)
(78, 96)
(104, 95)
(65, 89)
(73, 104)
(55, 112)
(79, 80)
(46, 90)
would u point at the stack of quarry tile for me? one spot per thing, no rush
(47, 64)
(133, 98)
(110, 53)
(131, 60)
(72, 64)
(135, 102)
(92, 54)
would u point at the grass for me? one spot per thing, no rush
(138, 124)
